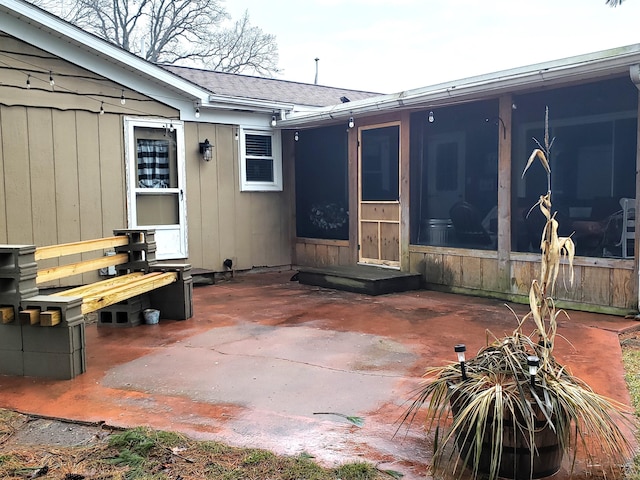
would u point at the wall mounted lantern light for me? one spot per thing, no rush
(273, 121)
(205, 150)
(351, 122)
(431, 118)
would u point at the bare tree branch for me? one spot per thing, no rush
(186, 32)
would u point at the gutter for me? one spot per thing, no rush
(550, 73)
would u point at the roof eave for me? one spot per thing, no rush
(250, 104)
(593, 65)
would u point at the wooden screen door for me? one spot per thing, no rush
(379, 195)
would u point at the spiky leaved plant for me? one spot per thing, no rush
(497, 408)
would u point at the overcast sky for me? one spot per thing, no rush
(388, 46)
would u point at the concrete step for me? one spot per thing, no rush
(364, 279)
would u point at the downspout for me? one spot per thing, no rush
(634, 73)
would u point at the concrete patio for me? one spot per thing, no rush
(269, 363)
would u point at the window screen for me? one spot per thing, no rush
(259, 158)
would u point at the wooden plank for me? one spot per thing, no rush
(471, 272)
(490, 274)
(389, 242)
(62, 271)
(596, 287)
(144, 284)
(29, 316)
(50, 318)
(380, 211)
(54, 251)
(622, 288)
(369, 241)
(85, 290)
(7, 314)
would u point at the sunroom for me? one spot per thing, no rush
(430, 181)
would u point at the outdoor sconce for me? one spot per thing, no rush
(296, 137)
(351, 122)
(431, 118)
(273, 121)
(533, 362)
(460, 349)
(205, 150)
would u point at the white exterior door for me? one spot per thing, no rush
(156, 182)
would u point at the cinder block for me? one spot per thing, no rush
(141, 249)
(70, 307)
(17, 259)
(11, 362)
(175, 301)
(11, 336)
(182, 269)
(124, 314)
(58, 366)
(58, 339)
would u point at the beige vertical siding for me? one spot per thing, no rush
(250, 228)
(64, 169)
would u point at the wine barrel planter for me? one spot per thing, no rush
(516, 462)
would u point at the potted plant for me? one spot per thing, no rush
(513, 411)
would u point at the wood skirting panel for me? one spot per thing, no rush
(311, 252)
(598, 286)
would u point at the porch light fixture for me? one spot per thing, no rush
(351, 122)
(205, 150)
(296, 136)
(237, 134)
(533, 362)
(28, 81)
(122, 99)
(197, 114)
(431, 118)
(273, 121)
(101, 108)
(460, 349)
(51, 82)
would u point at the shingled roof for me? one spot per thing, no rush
(269, 89)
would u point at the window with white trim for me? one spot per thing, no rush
(260, 161)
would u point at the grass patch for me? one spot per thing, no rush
(145, 454)
(631, 361)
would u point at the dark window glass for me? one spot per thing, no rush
(593, 164)
(454, 176)
(258, 158)
(259, 170)
(380, 148)
(322, 195)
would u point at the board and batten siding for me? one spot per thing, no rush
(64, 169)
(253, 229)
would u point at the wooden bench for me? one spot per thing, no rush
(58, 352)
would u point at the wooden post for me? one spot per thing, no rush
(504, 193)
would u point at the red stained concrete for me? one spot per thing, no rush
(267, 362)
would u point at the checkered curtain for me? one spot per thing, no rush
(153, 163)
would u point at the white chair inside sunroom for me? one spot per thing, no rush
(628, 234)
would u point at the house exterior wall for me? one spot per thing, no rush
(253, 229)
(63, 167)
